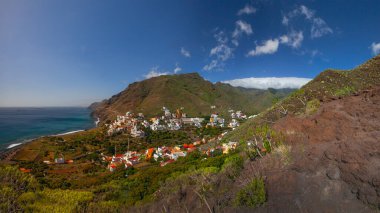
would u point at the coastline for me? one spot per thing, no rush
(68, 133)
(13, 148)
(19, 141)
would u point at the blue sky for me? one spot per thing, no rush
(69, 53)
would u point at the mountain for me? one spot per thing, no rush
(329, 155)
(189, 91)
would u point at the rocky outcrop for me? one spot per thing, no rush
(337, 163)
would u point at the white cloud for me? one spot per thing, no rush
(319, 27)
(269, 82)
(235, 42)
(375, 48)
(220, 53)
(314, 53)
(185, 52)
(247, 10)
(212, 65)
(154, 72)
(285, 20)
(177, 68)
(223, 52)
(309, 14)
(293, 39)
(268, 47)
(242, 27)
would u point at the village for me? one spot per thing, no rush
(135, 125)
(164, 155)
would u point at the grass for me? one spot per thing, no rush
(283, 151)
(347, 90)
(312, 106)
(26, 155)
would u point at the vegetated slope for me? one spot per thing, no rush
(190, 91)
(328, 85)
(332, 129)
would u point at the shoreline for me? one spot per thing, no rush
(8, 147)
(13, 148)
(70, 132)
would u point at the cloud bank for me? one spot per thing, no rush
(269, 82)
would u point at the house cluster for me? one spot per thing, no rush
(128, 122)
(215, 120)
(164, 154)
(235, 116)
(135, 124)
(129, 159)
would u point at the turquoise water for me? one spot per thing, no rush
(19, 125)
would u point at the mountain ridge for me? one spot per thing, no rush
(187, 90)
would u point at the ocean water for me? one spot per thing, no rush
(19, 125)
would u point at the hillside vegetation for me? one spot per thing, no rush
(189, 91)
(328, 85)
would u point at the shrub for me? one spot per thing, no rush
(312, 106)
(57, 200)
(233, 165)
(347, 90)
(252, 195)
(13, 184)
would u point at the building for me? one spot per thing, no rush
(60, 160)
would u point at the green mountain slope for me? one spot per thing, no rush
(189, 91)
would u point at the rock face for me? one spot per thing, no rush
(336, 167)
(190, 91)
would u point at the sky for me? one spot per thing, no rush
(75, 52)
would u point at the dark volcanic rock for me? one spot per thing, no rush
(334, 175)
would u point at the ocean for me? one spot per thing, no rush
(20, 125)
